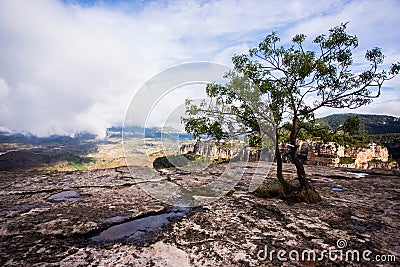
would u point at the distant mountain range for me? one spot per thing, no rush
(370, 124)
(21, 151)
(6, 137)
(150, 132)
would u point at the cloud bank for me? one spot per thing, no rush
(73, 66)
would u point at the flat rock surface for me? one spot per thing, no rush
(40, 228)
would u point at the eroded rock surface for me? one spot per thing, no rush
(228, 232)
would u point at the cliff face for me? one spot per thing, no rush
(394, 150)
(311, 153)
(214, 151)
(331, 154)
(207, 149)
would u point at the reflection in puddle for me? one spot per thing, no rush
(69, 195)
(140, 230)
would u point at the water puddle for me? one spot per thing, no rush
(362, 227)
(68, 195)
(140, 230)
(63, 182)
(359, 174)
(337, 188)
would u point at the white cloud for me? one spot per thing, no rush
(4, 90)
(386, 104)
(65, 68)
(225, 56)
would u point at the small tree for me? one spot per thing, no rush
(351, 125)
(296, 82)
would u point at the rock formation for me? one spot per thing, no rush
(216, 151)
(208, 149)
(310, 152)
(331, 154)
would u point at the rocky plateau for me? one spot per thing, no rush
(60, 218)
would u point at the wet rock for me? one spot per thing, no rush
(116, 218)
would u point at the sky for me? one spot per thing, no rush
(73, 66)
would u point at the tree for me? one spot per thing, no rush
(288, 77)
(351, 125)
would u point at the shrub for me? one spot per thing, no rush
(375, 161)
(179, 160)
(346, 160)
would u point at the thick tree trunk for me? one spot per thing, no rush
(301, 173)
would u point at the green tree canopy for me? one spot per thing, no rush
(352, 125)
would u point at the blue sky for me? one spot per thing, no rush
(69, 66)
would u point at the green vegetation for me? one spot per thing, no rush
(231, 193)
(77, 166)
(351, 125)
(346, 160)
(275, 190)
(375, 161)
(358, 140)
(369, 124)
(180, 160)
(220, 160)
(270, 190)
(385, 138)
(391, 159)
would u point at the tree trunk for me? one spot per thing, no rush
(279, 168)
(301, 173)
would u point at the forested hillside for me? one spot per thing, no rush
(370, 124)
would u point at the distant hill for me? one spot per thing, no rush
(370, 124)
(20, 160)
(31, 139)
(150, 132)
(23, 160)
